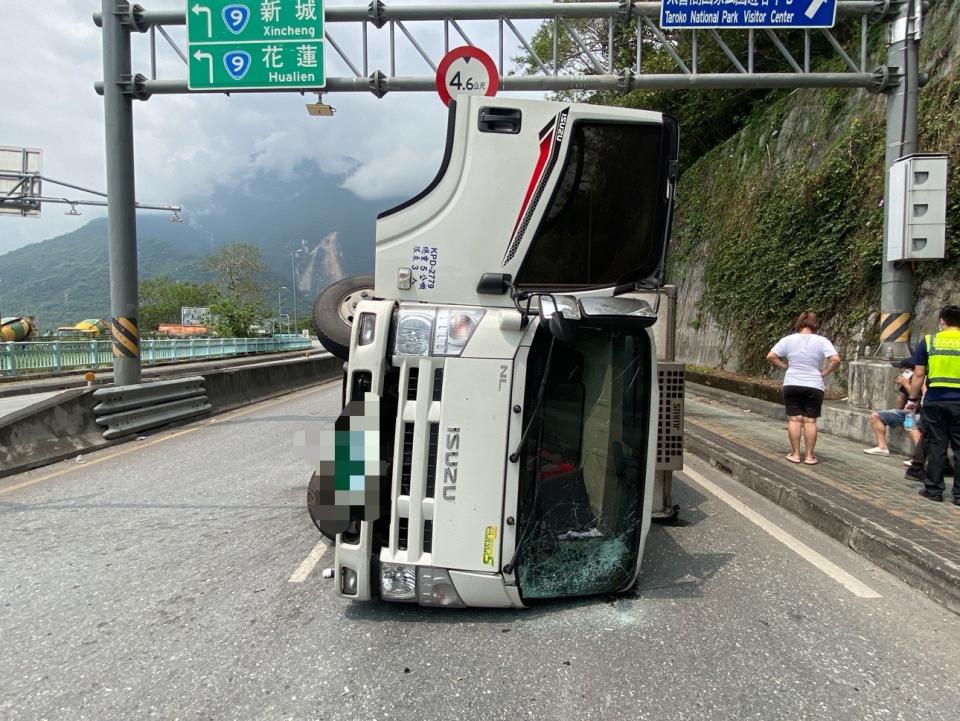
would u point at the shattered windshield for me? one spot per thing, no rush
(583, 462)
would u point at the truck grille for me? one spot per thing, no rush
(412, 382)
(417, 455)
(670, 426)
(427, 536)
(432, 461)
(406, 465)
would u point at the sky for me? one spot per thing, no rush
(188, 145)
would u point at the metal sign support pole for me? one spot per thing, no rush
(121, 195)
(293, 273)
(896, 290)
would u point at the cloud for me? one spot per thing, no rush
(399, 173)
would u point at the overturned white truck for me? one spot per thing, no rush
(501, 367)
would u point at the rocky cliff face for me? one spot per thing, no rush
(787, 214)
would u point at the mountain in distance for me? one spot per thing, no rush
(66, 279)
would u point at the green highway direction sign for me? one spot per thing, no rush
(255, 44)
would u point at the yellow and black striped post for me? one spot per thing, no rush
(126, 337)
(895, 327)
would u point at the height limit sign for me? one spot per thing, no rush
(255, 44)
(466, 71)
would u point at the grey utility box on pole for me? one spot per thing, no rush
(918, 208)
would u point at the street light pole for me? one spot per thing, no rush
(293, 277)
(293, 274)
(279, 306)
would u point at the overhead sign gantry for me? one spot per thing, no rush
(252, 46)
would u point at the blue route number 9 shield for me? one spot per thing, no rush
(236, 17)
(237, 63)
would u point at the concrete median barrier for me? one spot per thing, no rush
(48, 431)
(234, 387)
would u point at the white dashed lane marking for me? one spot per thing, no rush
(310, 562)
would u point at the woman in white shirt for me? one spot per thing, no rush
(801, 355)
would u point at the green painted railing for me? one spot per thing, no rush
(61, 355)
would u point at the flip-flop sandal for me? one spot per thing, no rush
(814, 462)
(791, 460)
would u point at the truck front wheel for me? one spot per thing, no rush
(333, 312)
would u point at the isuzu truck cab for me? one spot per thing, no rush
(498, 440)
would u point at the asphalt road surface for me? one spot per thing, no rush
(179, 577)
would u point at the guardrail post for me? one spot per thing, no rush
(56, 356)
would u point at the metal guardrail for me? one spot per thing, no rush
(130, 409)
(59, 355)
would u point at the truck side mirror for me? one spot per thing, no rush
(493, 284)
(561, 328)
(556, 312)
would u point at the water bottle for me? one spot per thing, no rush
(908, 421)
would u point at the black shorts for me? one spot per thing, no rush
(802, 401)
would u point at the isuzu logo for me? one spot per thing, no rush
(451, 461)
(561, 127)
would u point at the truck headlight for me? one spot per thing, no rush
(436, 588)
(437, 331)
(398, 582)
(414, 331)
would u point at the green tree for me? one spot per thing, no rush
(161, 299)
(234, 317)
(238, 268)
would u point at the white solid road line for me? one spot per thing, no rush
(308, 563)
(856, 587)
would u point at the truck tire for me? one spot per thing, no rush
(333, 312)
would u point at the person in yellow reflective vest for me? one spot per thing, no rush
(937, 358)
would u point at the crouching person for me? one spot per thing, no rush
(894, 417)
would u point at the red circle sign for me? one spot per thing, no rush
(466, 71)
